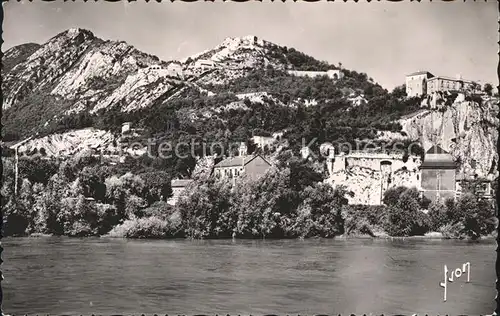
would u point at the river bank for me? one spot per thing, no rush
(427, 236)
(289, 201)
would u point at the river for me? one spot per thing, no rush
(113, 276)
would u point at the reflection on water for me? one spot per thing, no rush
(63, 275)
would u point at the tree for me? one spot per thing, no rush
(399, 91)
(157, 186)
(260, 204)
(475, 86)
(205, 211)
(404, 215)
(477, 216)
(391, 196)
(302, 174)
(320, 213)
(488, 89)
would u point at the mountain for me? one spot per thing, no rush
(76, 72)
(78, 89)
(18, 55)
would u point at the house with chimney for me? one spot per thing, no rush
(253, 166)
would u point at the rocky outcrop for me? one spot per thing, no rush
(70, 143)
(17, 55)
(91, 74)
(466, 129)
(203, 168)
(85, 70)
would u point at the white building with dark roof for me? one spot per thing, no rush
(416, 83)
(423, 83)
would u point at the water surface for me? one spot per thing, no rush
(83, 276)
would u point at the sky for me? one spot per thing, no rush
(386, 40)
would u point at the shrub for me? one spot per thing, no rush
(205, 210)
(403, 222)
(391, 196)
(438, 216)
(149, 227)
(404, 215)
(488, 88)
(477, 215)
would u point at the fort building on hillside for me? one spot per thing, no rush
(438, 173)
(423, 83)
(233, 167)
(369, 174)
(334, 74)
(441, 83)
(205, 64)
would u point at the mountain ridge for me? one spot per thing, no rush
(76, 81)
(93, 74)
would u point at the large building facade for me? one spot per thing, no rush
(416, 83)
(368, 175)
(438, 173)
(441, 83)
(423, 83)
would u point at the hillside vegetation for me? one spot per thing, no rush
(77, 81)
(98, 81)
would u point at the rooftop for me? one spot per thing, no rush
(450, 78)
(438, 158)
(438, 165)
(422, 72)
(236, 161)
(436, 149)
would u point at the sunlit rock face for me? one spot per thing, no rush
(466, 129)
(70, 143)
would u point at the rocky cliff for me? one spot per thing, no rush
(71, 142)
(466, 129)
